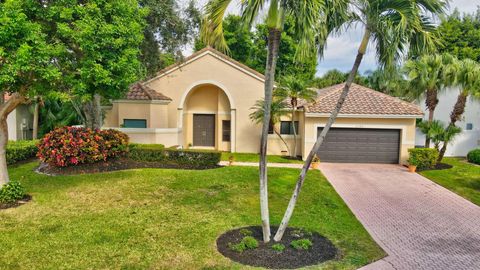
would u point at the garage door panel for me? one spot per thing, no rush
(361, 145)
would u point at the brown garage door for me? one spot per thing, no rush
(203, 130)
(359, 145)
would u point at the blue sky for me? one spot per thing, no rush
(341, 50)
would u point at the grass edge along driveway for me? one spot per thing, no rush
(160, 218)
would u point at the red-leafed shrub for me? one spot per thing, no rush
(69, 146)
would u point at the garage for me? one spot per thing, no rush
(361, 145)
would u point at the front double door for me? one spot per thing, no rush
(204, 130)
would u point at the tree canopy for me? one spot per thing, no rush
(250, 48)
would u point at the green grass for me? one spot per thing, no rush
(463, 178)
(252, 157)
(163, 219)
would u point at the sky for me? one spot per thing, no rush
(341, 50)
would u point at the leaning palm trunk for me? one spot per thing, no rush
(431, 102)
(455, 115)
(273, 46)
(321, 138)
(294, 153)
(282, 139)
(5, 109)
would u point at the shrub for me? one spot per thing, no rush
(246, 232)
(278, 247)
(176, 158)
(423, 158)
(11, 192)
(299, 244)
(248, 242)
(474, 156)
(21, 150)
(69, 146)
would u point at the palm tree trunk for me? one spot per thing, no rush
(455, 115)
(5, 109)
(282, 139)
(320, 139)
(35, 118)
(294, 153)
(273, 46)
(431, 102)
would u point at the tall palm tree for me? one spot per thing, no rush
(468, 78)
(278, 108)
(313, 20)
(295, 89)
(395, 26)
(428, 75)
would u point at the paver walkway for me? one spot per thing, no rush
(420, 224)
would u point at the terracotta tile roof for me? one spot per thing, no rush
(361, 100)
(138, 91)
(217, 53)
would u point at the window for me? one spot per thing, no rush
(226, 129)
(134, 123)
(286, 127)
(469, 126)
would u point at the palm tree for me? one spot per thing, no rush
(395, 26)
(295, 89)
(468, 78)
(313, 19)
(428, 75)
(278, 109)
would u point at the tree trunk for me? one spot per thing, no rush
(97, 109)
(35, 118)
(89, 114)
(294, 153)
(5, 109)
(320, 139)
(455, 115)
(281, 138)
(273, 46)
(431, 102)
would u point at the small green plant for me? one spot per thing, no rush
(248, 242)
(299, 233)
(11, 192)
(278, 247)
(299, 244)
(474, 156)
(246, 232)
(423, 158)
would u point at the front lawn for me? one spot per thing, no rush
(163, 219)
(252, 157)
(463, 178)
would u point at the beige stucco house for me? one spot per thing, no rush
(204, 102)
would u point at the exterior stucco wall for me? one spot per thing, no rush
(406, 125)
(155, 114)
(20, 124)
(241, 90)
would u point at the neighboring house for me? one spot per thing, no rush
(470, 123)
(20, 123)
(205, 102)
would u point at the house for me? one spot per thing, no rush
(205, 101)
(470, 123)
(20, 123)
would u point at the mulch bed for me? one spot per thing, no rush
(264, 256)
(18, 203)
(105, 166)
(439, 166)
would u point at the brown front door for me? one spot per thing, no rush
(203, 130)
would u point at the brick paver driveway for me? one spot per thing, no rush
(420, 224)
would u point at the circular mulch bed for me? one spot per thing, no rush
(264, 256)
(105, 166)
(18, 203)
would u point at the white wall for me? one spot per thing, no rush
(469, 139)
(12, 126)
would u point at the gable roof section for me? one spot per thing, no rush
(361, 101)
(209, 51)
(138, 91)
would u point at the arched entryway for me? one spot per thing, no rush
(208, 118)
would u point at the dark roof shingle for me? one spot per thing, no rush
(361, 100)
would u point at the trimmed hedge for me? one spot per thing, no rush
(423, 158)
(474, 156)
(190, 159)
(21, 150)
